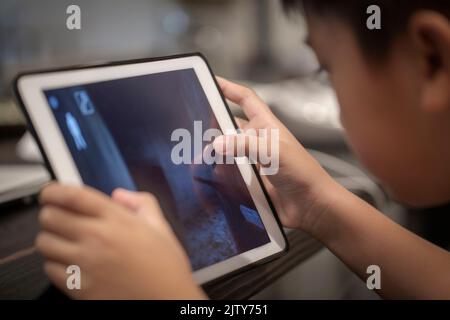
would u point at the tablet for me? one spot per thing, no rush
(113, 125)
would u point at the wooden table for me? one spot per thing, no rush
(22, 277)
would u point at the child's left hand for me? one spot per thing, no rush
(123, 245)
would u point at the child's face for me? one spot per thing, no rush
(379, 104)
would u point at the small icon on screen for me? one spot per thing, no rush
(84, 102)
(53, 101)
(75, 131)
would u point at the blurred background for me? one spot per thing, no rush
(251, 41)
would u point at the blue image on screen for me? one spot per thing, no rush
(119, 135)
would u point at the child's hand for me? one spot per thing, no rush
(123, 246)
(301, 190)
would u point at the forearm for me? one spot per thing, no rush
(361, 236)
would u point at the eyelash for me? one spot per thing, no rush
(321, 69)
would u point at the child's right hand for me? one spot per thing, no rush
(301, 190)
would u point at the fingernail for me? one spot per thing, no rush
(220, 144)
(122, 192)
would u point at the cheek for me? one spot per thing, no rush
(379, 132)
(359, 133)
(368, 128)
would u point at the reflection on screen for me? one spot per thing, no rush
(118, 133)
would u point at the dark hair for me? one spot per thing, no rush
(395, 15)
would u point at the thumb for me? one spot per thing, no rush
(144, 204)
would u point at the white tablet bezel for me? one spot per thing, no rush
(30, 89)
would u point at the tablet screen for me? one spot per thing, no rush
(119, 135)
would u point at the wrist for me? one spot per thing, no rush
(325, 212)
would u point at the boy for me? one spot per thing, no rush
(393, 86)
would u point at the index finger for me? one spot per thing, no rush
(84, 199)
(243, 96)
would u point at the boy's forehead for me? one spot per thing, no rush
(315, 34)
(316, 29)
(323, 32)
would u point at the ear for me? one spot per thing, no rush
(430, 32)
